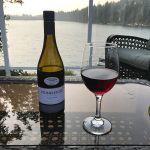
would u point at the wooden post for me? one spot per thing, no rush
(4, 40)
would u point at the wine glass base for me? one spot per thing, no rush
(101, 130)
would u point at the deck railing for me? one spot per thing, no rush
(4, 40)
(7, 66)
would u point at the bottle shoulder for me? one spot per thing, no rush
(50, 54)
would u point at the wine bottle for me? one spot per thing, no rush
(50, 70)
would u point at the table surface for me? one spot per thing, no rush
(125, 106)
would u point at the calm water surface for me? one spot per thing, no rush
(25, 40)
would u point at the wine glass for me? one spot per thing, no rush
(99, 72)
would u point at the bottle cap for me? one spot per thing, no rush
(48, 15)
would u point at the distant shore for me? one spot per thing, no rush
(34, 18)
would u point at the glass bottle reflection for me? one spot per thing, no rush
(52, 128)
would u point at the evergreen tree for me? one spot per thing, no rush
(123, 12)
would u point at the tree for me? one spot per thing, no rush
(14, 1)
(123, 12)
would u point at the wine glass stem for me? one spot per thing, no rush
(97, 121)
(98, 106)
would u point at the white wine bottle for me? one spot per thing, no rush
(50, 70)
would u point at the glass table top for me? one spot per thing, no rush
(126, 106)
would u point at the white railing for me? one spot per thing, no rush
(7, 66)
(34, 68)
(4, 40)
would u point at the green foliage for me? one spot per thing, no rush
(21, 73)
(123, 12)
(25, 73)
(2, 73)
(17, 73)
(69, 73)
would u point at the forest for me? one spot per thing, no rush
(123, 12)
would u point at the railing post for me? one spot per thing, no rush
(90, 12)
(4, 40)
(90, 20)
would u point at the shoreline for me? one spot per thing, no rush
(112, 24)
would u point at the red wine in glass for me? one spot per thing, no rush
(99, 80)
(99, 71)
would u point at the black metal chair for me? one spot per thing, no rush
(125, 42)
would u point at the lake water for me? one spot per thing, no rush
(25, 40)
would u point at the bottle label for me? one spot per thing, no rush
(51, 81)
(51, 87)
(51, 96)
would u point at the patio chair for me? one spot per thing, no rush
(134, 56)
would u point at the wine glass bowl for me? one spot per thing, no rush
(99, 72)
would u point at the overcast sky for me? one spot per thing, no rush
(35, 7)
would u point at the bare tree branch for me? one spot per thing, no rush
(14, 1)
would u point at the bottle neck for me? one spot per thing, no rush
(49, 27)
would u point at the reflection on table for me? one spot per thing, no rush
(21, 123)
